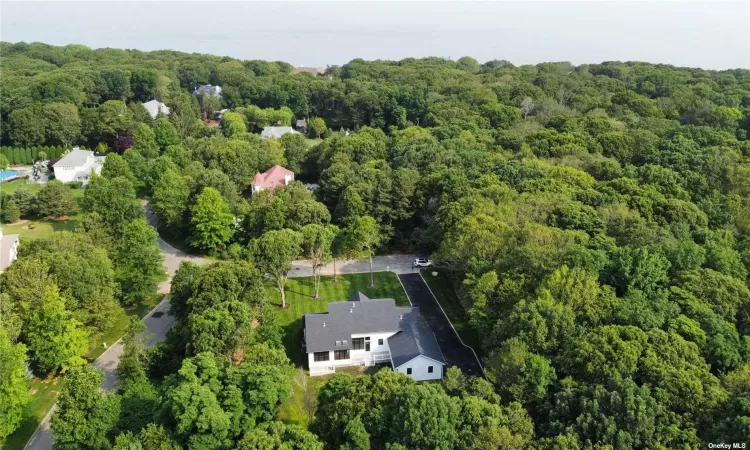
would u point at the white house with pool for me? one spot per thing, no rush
(77, 165)
(365, 332)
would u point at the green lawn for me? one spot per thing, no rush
(293, 411)
(299, 293)
(12, 186)
(45, 392)
(442, 287)
(34, 229)
(312, 142)
(44, 395)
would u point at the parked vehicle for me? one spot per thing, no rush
(422, 262)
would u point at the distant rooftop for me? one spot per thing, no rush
(277, 132)
(154, 107)
(273, 177)
(208, 89)
(312, 70)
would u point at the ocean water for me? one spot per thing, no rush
(700, 34)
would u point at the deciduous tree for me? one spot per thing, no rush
(138, 261)
(274, 253)
(212, 221)
(56, 340)
(365, 235)
(84, 414)
(14, 384)
(316, 247)
(318, 126)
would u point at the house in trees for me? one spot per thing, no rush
(363, 331)
(78, 165)
(8, 249)
(276, 132)
(154, 107)
(301, 126)
(311, 70)
(272, 178)
(208, 89)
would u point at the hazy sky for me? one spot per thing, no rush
(713, 35)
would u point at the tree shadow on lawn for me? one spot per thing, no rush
(293, 342)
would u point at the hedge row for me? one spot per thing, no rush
(29, 155)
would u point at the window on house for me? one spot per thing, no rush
(380, 342)
(358, 343)
(408, 370)
(429, 369)
(321, 356)
(338, 343)
(341, 354)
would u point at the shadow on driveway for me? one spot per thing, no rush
(454, 351)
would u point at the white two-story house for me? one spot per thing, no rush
(363, 331)
(78, 165)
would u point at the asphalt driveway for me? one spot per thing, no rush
(454, 351)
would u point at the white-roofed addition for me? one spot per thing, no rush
(366, 332)
(77, 165)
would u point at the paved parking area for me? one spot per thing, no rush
(454, 351)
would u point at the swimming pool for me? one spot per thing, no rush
(5, 174)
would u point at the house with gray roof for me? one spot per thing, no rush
(154, 107)
(365, 332)
(276, 132)
(78, 165)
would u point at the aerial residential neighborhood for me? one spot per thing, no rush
(373, 226)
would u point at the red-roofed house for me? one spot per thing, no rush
(272, 178)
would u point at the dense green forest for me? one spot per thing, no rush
(595, 221)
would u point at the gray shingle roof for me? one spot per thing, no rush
(333, 330)
(74, 158)
(358, 297)
(416, 339)
(343, 319)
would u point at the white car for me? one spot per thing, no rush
(422, 262)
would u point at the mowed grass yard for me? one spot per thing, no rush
(443, 289)
(299, 298)
(299, 293)
(38, 228)
(44, 392)
(298, 411)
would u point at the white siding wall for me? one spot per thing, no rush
(355, 356)
(65, 174)
(419, 369)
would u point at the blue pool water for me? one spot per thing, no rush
(7, 174)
